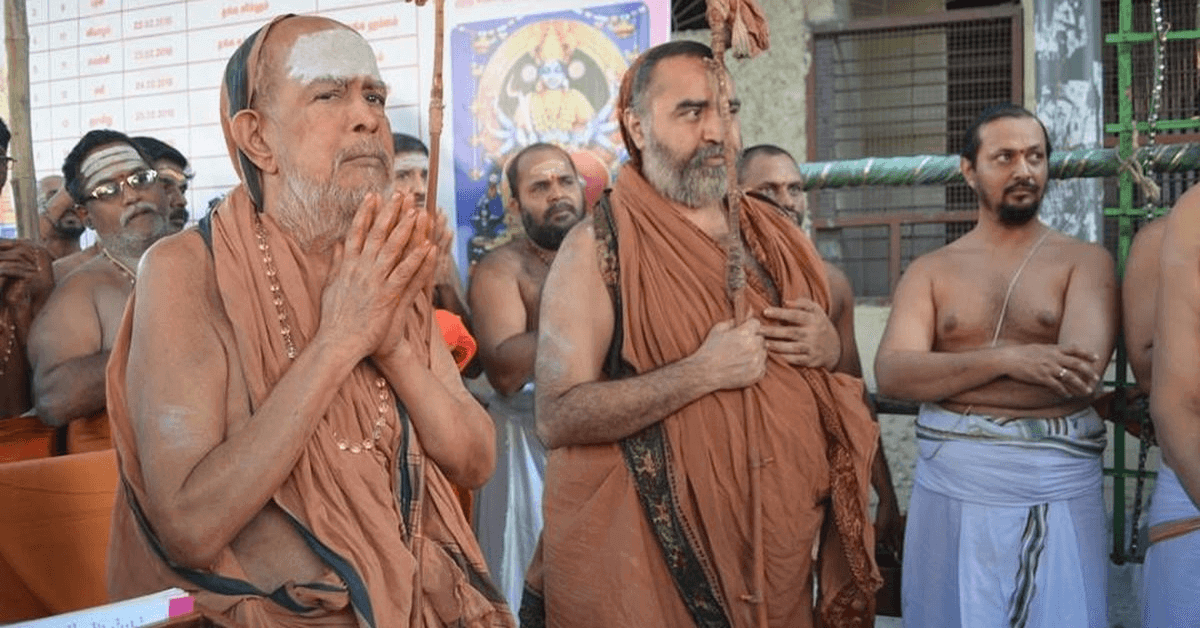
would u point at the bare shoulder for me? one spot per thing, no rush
(1150, 236)
(579, 247)
(1184, 219)
(1141, 267)
(840, 290)
(182, 252)
(64, 266)
(1087, 256)
(504, 260)
(81, 282)
(177, 270)
(574, 282)
(928, 266)
(178, 320)
(836, 277)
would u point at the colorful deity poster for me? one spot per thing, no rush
(550, 77)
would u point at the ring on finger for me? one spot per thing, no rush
(1062, 373)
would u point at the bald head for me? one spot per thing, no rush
(47, 187)
(771, 171)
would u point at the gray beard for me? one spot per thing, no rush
(689, 183)
(318, 214)
(129, 247)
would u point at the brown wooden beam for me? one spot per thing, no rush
(16, 43)
(917, 21)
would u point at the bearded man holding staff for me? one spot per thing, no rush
(641, 375)
(303, 477)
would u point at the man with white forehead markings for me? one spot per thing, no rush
(303, 476)
(412, 176)
(505, 296)
(117, 194)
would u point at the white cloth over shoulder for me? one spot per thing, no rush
(509, 510)
(1171, 588)
(1006, 527)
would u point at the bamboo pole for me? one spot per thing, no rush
(16, 43)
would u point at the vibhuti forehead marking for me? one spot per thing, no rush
(415, 161)
(334, 53)
(557, 165)
(172, 173)
(106, 163)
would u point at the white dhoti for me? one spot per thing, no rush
(509, 510)
(1171, 588)
(1006, 526)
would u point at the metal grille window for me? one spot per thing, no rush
(688, 15)
(903, 86)
(1180, 99)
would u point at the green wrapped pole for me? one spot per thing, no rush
(942, 169)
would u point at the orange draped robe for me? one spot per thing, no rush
(462, 347)
(411, 557)
(54, 533)
(603, 557)
(89, 434)
(25, 438)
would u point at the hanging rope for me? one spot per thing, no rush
(742, 26)
(1161, 28)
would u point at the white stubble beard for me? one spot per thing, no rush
(318, 214)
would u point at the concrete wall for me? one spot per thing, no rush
(773, 87)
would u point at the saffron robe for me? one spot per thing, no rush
(656, 530)
(89, 434)
(386, 522)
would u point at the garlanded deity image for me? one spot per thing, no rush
(546, 78)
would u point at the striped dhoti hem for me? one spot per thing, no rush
(1006, 525)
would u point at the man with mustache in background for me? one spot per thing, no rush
(1003, 335)
(412, 176)
(173, 174)
(505, 296)
(118, 195)
(59, 225)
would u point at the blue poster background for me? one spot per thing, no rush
(550, 77)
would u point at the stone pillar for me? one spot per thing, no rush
(1068, 42)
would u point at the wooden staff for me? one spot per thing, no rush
(16, 43)
(436, 105)
(435, 137)
(726, 19)
(435, 117)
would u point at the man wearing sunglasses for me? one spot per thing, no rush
(119, 195)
